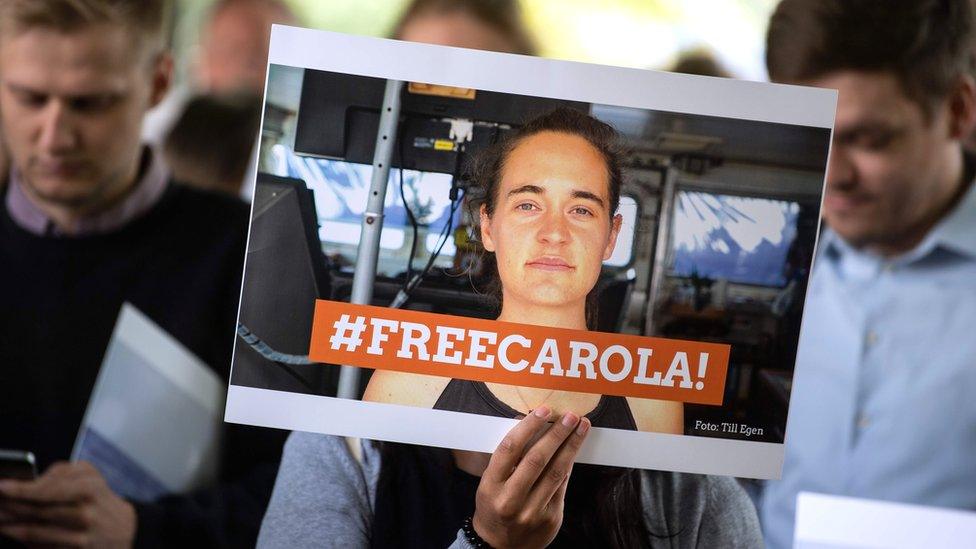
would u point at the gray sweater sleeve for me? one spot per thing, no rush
(729, 517)
(685, 510)
(323, 496)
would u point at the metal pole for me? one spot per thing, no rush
(372, 225)
(662, 252)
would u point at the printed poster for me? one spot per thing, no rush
(443, 239)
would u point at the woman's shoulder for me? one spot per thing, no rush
(699, 510)
(404, 388)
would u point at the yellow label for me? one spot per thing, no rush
(441, 91)
(443, 145)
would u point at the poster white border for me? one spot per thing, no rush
(478, 433)
(540, 77)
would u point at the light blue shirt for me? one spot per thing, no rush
(884, 394)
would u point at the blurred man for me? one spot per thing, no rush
(228, 88)
(883, 404)
(211, 144)
(4, 164)
(701, 62)
(231, 59)
(493, 25)
(234, 45)
(89, 220)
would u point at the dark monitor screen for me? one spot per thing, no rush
(736, 238)
(285, 272)
(339, 117)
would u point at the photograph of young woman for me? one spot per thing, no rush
(548, 214)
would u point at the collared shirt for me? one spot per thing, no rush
(146, 193)
(884, 405)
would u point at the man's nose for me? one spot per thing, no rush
(57, 133)
(840, 169)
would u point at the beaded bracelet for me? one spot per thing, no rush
(473, 538)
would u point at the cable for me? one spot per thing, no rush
(456, 195)
(267, 352)
(282, 360)
(404, 294)
(410, 216)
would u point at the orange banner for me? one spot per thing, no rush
(518, 354)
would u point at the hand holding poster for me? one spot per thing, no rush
(624, 251)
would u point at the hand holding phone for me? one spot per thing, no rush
(17, 465)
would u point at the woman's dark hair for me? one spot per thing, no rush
(502, 16)
(488, 166)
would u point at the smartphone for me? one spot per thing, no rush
(17, 465)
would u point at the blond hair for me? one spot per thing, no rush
(149, 18)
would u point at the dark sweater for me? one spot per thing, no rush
(180, 264)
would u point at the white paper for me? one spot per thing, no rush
(153, 421)
(838, 522)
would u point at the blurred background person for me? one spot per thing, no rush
(4, 164)
(493, 25)
(699, 61)
(883, 406)
(223, 98)
(230, 57)
(233, 56)
(212, 142)
(89, 221)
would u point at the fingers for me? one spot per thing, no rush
(48, 492)
(510, 450)
(61, 483)
(538, 457)
(70, 516)
(550, 489)
(557, 501)
(39, 534)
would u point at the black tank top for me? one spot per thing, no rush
(474, 397)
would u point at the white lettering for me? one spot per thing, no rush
(605, 363)
(477, 339)
(411, 339)
(379, 337)
(503, 359)
(444, 344)
(678, 368)
(644, 354)
(549, 354)
(577, 359)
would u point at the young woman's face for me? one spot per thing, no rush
(551, 228)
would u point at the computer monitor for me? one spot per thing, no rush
(341, 189)
(339, 117)
(285, 272)
(742, 239)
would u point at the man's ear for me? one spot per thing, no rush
(614, 231)
(485, 223)
(962, 108)
(162, 75)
